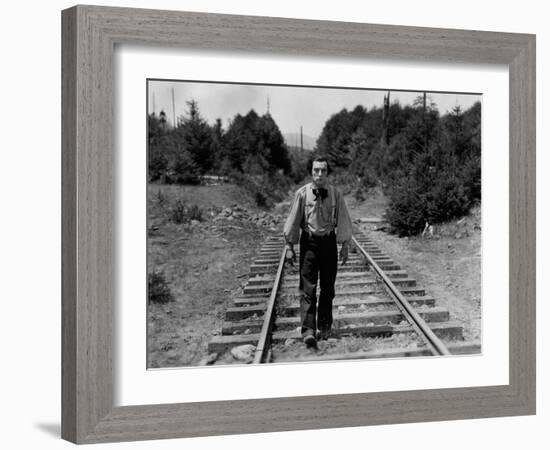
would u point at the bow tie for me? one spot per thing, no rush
(320, 193)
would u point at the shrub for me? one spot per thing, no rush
(433, 191)
(472, 177)
(194, 213)
(185, 170)
(359, 194)
(265, 189)
(260, 199)
(180, 213)
(405, 212)
(158, 164)
(158, 289)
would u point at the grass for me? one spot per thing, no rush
(200, 263)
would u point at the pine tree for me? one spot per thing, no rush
(194, 136)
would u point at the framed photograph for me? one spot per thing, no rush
(219, 192)
(196, 151)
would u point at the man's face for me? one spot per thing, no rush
(320, 173)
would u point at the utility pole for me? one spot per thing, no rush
(173, 108)
(424, 122)
(301, 140)
(268, 105)
(385, 120)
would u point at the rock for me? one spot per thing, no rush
(341, 308)
(247, 331)
(289, 342)
(171, 354)
(243, 352)
(209, 360)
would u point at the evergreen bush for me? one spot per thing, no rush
(158, 289)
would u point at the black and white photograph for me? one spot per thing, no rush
(292, 224)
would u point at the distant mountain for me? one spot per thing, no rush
(293, 140)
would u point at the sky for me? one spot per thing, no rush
(290, 107)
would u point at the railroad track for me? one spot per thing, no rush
(379, 311)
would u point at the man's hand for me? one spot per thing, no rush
(344, 253)
(290, 256)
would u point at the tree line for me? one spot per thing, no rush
(428, 164)
(251, 144)
(251, 151)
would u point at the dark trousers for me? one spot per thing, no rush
(318, 261)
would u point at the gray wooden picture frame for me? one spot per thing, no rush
(90, 34)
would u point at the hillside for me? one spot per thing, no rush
(205, 261)
(201, 239)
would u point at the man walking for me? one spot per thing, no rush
(318, 219)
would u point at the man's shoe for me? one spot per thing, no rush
(310, 341)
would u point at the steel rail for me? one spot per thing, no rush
(420, 326)
(264, 342)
